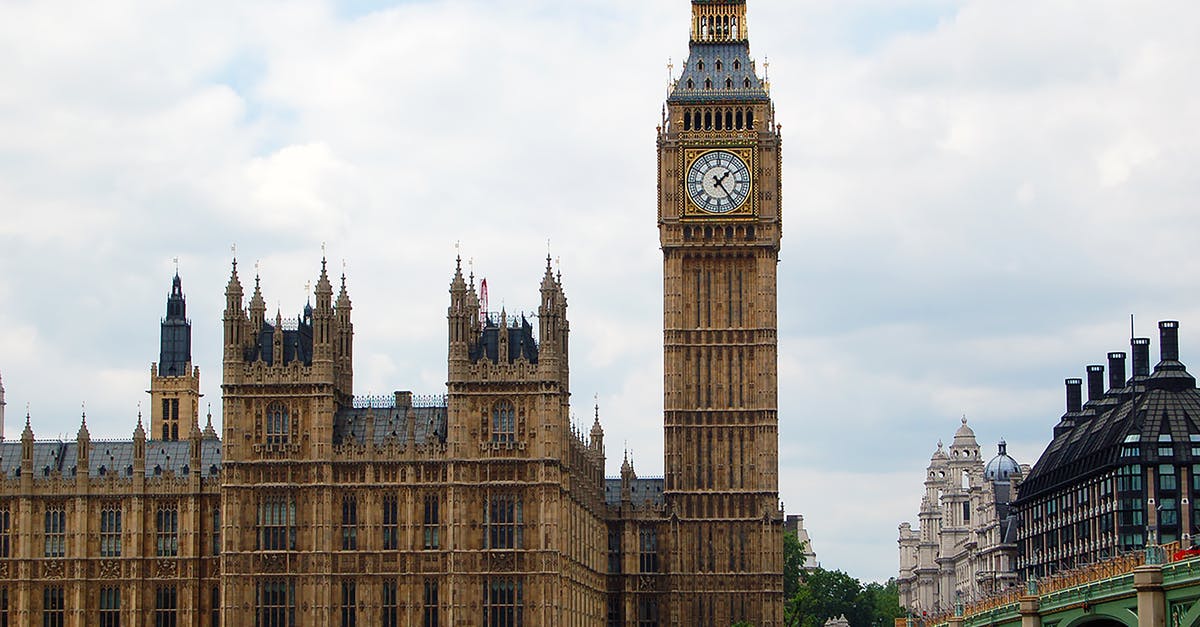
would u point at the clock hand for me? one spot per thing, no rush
(722, 186)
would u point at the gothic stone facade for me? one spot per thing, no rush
(482, 506)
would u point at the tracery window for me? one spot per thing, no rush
(429, 610)
(110, 607)
(55, 532)
(391, 608)
(166, 605)
(5, 531)
(349, 607)
(166, 525)
(349, 523)
(503, 522)
(503, 423)
(276, 602)
(431, 522)
(53, 608)
(110, 531)
(277, 524)
(648, 550)
(391, 523)
(502, 601)
(278, 423)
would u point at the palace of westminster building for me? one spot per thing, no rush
(479, 506)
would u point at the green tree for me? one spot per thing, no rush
(793, 563)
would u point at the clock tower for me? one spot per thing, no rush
(720, 225)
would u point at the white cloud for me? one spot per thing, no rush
(977, 195)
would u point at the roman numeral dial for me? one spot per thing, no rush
(718, 182)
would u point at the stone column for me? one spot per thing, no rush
(1151, 602)
(1030, 617)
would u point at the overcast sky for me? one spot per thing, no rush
(977, 196)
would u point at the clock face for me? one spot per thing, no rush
(718, 181)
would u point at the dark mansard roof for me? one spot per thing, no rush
(521, 341)
(1141, 414)
(110, 458)
(709, 84)
(297, 341)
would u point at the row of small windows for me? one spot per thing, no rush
(54, 612)
(54, 532)
(708, 232)
(737, 65)
(729, 84)
(717, 118)
(275, 604)
(277, 525)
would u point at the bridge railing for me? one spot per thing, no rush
(1089, 573)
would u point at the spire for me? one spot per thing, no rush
(209, 432)
(597, 430)
(175, 346)
(233, 291)
(27, 434)
(83, 434)
(139, 432)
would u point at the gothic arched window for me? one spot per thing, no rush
(278, 423)
(503, 423)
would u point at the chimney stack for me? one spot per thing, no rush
(1141, 357)
(1168, 349)
(1074, 396)
(1116, 371)
(1095, 376)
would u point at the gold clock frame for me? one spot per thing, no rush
(692, 211)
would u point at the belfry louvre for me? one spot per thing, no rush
(479, 506)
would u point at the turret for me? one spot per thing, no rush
(209, 432)
(174, 382)
(597, 441)
(83, 442)
(258, 307)
(139, 448)
(195, 442)
(323, 318)
(627, 478)
(459, 316)
(344, 336)
(234, 317)
(277, 340)
(27, 448)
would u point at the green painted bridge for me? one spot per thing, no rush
(1147, 594)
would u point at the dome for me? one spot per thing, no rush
(1002, 467)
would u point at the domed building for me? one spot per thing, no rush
(965, 545)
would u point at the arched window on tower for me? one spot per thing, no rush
(503, 423)
(278, 423)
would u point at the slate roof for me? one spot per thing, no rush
(107, 457)
(648, 491)
(351, 425)
(1089, 442)
(702, 66)
(297, 341)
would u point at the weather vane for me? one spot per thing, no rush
(176, 260)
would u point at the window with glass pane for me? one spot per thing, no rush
(1166, 477)
(647, 612)
(429, 609)
(276, 600)
(390, 611)
(277, 524)
(503, 423)
(648, 550)
(110, 531)
(502, 601)
(53, 609)
(5, 531)
(110, 607)
(391, 522)
(503, 521)
(56, 532)
(166, 525)
(349, 607)
(431, 524)
(278, 423)
(349, 522)
(166, 600)
(1168, 512)
(215, 606)
(216, 531)
(614, 551)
